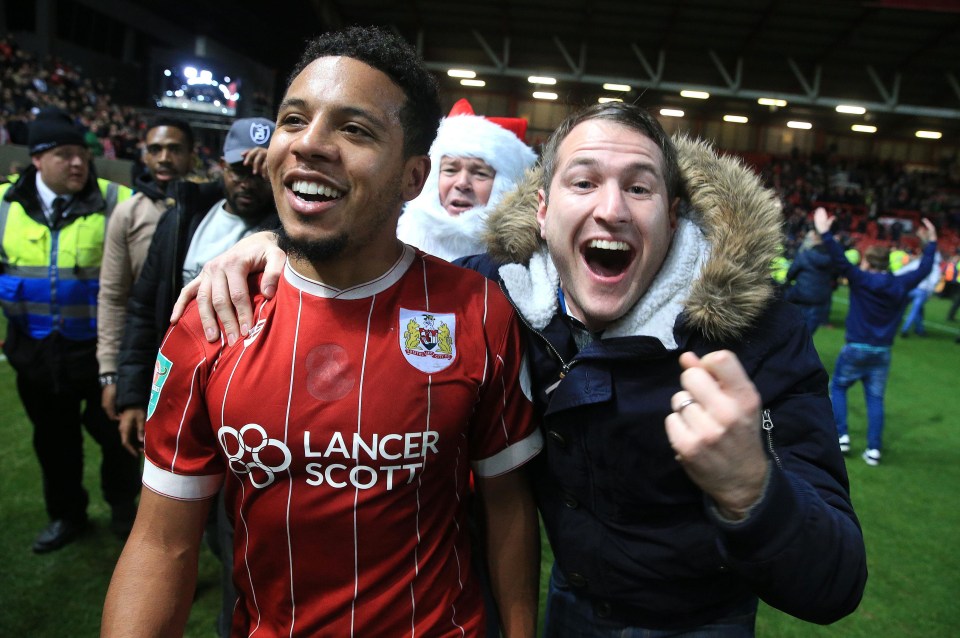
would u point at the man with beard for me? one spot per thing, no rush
(168, 156)
(344, 427)
(207, 219)
(690, 465)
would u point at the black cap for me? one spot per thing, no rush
(51, 129)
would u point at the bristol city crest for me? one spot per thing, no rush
(428, 341)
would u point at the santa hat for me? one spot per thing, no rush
(497, 141)
(516, 125)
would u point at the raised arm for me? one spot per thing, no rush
(221, 289)
(152, 587)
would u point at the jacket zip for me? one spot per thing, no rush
(565, 367)
(768, 428)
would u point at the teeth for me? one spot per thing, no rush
(603, 244)
(312, 188)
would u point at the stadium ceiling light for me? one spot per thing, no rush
(604, 100)
(545, 95)
(930, 135)
(736, 119)
(469, 82)
(769, 101)
(616, 87)
(671, 112)
(695, 95)
(462, 73)
(799, 124)
(863, 128)
(850, 109)
(541, 79)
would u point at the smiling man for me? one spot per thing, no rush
(344, 427)
(691, 464)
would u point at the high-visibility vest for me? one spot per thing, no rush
(51, 278)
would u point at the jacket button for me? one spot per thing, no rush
(570, 501)
(602, 609)
(557, 438)
(577, 580)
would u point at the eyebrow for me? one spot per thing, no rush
(350, 111)
(639, 166)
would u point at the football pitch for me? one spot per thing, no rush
(908, 507)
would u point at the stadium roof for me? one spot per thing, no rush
(900, 59)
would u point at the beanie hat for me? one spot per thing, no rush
(246, 133)
(52, 128)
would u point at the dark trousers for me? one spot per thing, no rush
(58, 443)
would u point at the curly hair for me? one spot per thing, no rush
(393, 56)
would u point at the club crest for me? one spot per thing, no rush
(428, 341)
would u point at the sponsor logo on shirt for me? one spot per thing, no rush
(428, 341)
(251, 451)
(337, 460)
(161, 372)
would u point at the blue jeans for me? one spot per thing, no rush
(915, 316)
(571, 616)
(871, 365)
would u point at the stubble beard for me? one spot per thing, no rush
(319, 251)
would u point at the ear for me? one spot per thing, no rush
(36, 161)
(542, 212)
(674, 212)
(415, 176)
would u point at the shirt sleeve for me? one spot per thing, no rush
(183, 456)
(504, 433)
(116, 280)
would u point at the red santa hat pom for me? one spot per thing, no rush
(516, 125)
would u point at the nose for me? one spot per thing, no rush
(463, 181)
(611, 205)
(164, 156)
(316, 142)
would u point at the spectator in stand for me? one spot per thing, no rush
(168, 156)
(877, 300)
(812, 276)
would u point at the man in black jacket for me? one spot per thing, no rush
(206, 220)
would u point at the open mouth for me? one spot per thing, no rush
(607, 258)
(314, 192)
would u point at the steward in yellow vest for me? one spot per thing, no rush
(52, 222)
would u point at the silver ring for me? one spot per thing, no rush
(684, 404)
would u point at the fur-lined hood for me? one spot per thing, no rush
(739, 219)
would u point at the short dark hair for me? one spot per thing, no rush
(393, 56)
(173, 122)
(628, 115)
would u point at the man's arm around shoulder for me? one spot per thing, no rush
(152, 587)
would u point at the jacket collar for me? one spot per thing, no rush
(716, 278)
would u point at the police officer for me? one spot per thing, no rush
(52, 222)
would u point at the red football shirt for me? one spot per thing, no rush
(343, 429)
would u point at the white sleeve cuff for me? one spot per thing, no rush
(180, 486)
(511, 457)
